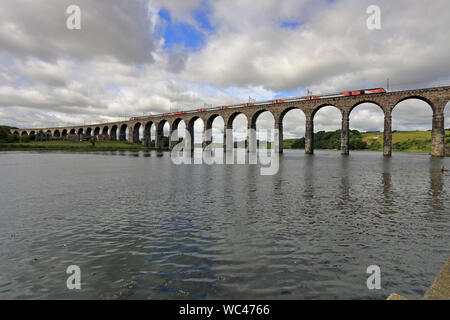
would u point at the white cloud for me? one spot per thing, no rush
(116, 66)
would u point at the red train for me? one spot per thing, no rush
(277, 101)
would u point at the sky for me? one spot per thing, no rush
(151, 56)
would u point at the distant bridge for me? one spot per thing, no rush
(437, 98)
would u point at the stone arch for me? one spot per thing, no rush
(113, 132)
(254, 116)
(363, 102)
(160, 133)
(123, 132)
(190, 129)
(253, 135)
(230, 128)
(286, 111)
(16, 133)
(418, 97)
(89, 132)
(64, 133)
(310, 128)
(24, 133)
(96, 131)
(209, 138)
(379, 140)
(80, 131)
(105, 130)
(32, 133)
(177, 133)
(137, 126)
(56, 133)
(281, 124)
(318, 108)
(229, 121)
(73, 131)
(414, 113)
(147, 140)
(401, 104)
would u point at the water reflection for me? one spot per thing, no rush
(165, 231)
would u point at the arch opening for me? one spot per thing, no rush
(105, 130)
(263, 137)
(147, 135)
(162, 135)
(123, 133)
(195, 128)
(178, 132)
(292, 128)
(366, 127)
(215, 134)
(327, 124)
(113, 133)
(412, 120)
(137, 129)
(237, 126)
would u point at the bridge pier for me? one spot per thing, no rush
(207, 134)
(131, 135)
(438, 135)
(159, 141)
(387, 134)
(251, 137)
(345, 134)
(190, 142)
(173, 138)
(309, 135)
(278, 136)
(228, 143)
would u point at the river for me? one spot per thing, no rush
(141, 227)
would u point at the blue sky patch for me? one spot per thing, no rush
(289, 94)
(289, 25)
(201, 16)
(180, 33)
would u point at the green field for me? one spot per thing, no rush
(407, 141)
(72, 146)
(410, 141)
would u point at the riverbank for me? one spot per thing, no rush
(84, 146)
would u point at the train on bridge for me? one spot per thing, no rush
(268, 102)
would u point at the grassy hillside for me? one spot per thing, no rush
(410, 141)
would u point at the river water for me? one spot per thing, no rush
(140, 227)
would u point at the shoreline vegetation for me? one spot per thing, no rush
(404, 141)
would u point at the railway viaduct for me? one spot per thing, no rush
(437, 98)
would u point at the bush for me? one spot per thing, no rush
(24, 139)
(12, 138)
(298, 144)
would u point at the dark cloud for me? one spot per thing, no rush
(118, 28)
